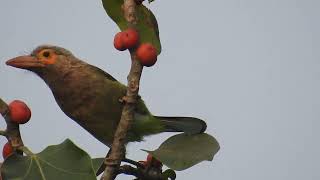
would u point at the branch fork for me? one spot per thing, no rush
(12, 133)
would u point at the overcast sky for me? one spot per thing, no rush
(250, 68)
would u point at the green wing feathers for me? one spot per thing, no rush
(189, 125)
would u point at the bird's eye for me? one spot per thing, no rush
(46, 54)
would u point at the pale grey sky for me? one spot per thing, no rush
(250, 68)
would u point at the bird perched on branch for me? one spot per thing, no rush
(90, 96)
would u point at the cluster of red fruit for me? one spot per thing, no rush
(129, 39)
(19, 114)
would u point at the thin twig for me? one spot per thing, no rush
(12, 132)
(26, 150)
(118, 146)
(137, 164)
(150, 173)
(126, 169)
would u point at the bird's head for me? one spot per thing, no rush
(43, 59)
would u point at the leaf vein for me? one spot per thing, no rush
(59, 169)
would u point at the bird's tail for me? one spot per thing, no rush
(189, 125)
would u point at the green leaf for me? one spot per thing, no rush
(96, 163)
(182, 151)
(147, 23)
(63, 161)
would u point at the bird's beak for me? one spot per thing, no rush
(25, 62)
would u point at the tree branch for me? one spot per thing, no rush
(12, 133)
(149, 172)
(118, 146)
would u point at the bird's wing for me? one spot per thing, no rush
(98, 70)
(141, 107)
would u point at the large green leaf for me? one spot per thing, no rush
(147, 24)
(63, 161)
(182, 151)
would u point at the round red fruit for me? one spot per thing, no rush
(118, 41)
(130, 38)
(149, 158)
(19, 112)
(147, 54)
(153, 161)
(7, 150)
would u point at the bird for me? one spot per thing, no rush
(91, 97)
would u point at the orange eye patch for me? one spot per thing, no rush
(47, 56)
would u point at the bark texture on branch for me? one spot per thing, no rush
(12, 133)
(118, 150)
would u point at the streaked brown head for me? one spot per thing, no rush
(42, 58)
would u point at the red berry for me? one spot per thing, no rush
(149, 158)
(19, 112)
(153, 161)
(7, 150)
(118, 41)
(130, 38)
(147, 54)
